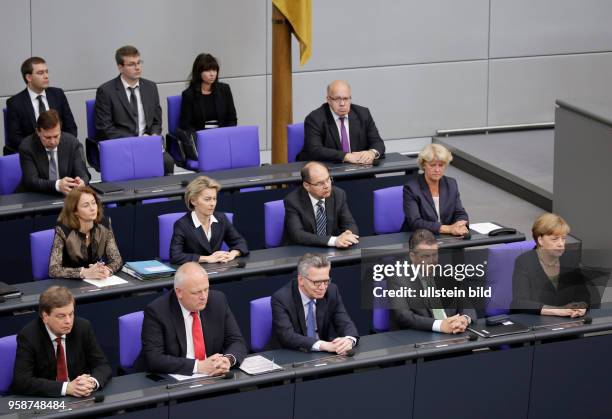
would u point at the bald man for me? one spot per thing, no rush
(191, 329)
(339, 131)
(317, 214)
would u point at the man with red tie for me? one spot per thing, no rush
(191, 329)
(57, 353)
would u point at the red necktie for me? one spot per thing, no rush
(62, 372)
(199, 348)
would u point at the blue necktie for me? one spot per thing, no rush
(311, 322)
(321, 219)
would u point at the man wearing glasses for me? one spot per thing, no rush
(317, 214)
(308, 313)
(340, 132)
(128, 105)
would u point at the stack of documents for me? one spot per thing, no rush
(148, 269)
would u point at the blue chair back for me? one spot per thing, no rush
(500, 266)
(166, 227)
(261, 323)
(388, 210)
(89, 113)
(274, 222)
(295, 140)
(228, 148)
(174, 112)
(380, 319)
(130, 328)
(131, 158)
(8, 349)
(40, 249)
(10, 173)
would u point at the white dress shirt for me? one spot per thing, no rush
(142, 125)
(35, 104)
(197, 223)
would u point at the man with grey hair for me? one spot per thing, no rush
(191, 329)
(339, 131)
(308, 313)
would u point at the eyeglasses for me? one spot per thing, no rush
(322, 183)
(318, 284)
(134, 64)
(339, 99)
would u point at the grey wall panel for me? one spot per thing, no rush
(363, 33)
(15, 45)
(406, 101)
(168, 34)
(544, 27)
(523, 90)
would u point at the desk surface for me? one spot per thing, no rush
(233, 179)
(258, 262)
(373, 350)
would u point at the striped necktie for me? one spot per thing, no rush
(321, 219)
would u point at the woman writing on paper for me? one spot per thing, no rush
(84, 244)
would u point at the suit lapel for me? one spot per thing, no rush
(321, 312)
(426, 192)
(40, 154)
(443, 191)
(309, 210)
(29, 107)
(62, 160)
(179, 324)
(201, 236)
(146, 99)
(330, 213)
(206, 325)
(297, 299)
(332, 127)
(51, 101)
(354, 131)
(124, 100)
(48, 348)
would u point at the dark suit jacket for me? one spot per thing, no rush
(193, 114)
(113, 114)
(322, 141)
(289, 321)
(189, 243)
(531, 288)
(20, 115)
(35, 163)
(419, 206)
(164, 342)
(35, 362)
(415, 312)
(300, 224)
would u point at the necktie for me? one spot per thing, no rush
(344, 140)
(321, 219)
(52, 166)
(41, 105)
(133, 101)
(311, 322)
(199, 348)
(61, 374)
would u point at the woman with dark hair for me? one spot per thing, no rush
(84, 244)
(206, 103)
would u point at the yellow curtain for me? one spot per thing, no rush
(299, 14)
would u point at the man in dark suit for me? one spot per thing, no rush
(57, 353)
(190, 329)
(446, 315)
(24, 108)
(340, 132)
(128, 105)
(51, 160)
(317, 213)
(308, 313)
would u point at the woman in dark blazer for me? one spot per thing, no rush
(431, 200)
(206, 103)
(199, 234)
(547, 280)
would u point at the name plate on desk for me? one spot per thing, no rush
(442, 343)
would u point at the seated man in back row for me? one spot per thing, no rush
(190, 329)
(317, 213)
(57, 353)
(128, 105)
(340, 132)
(308, 313)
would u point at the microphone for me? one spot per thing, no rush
(472, 336)
(240, 264)
(184, 183)
(195, 382)
(350, 353)
(587, 320)
(376, 162)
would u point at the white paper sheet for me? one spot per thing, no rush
(258, 364)
(484, 228)
(180, 377)
(106, 282)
